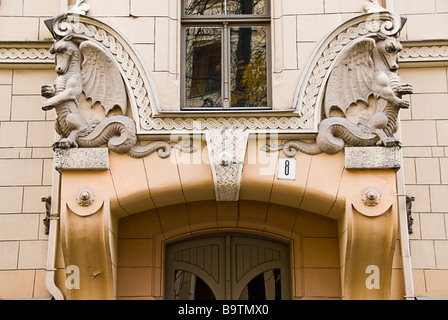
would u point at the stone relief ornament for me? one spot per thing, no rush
(88, 68)
(371, 197)
(85, 197)
(363, 97)
(355, 85)
(79, 8)
(225, 134)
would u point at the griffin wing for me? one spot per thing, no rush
(352, 77)
(102, 81)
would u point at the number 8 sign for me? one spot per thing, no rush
(287, 169)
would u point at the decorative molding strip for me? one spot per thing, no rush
(415, 53)
(26, 53)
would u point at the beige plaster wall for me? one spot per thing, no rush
(26, 136)
(26, 165)
(425, 138)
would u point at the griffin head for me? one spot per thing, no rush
(64, 50)
(389, 49)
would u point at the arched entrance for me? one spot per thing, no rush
(237, 242)
(139, 211)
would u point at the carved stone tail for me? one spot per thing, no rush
(162, 148)
(291, 148)
(117, 132)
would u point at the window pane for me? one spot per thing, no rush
(203, 67)
(246, 7)
(248, 67)
(265, 286)
(224, 7)
(188, 286)
(204, 7)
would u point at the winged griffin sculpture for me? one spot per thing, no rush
(87, 68)
(363, 97)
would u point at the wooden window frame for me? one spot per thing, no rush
(226, 22)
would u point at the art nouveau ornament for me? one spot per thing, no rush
(80, 7)
(363, 97)
(363, 48)
(88, 68)
(85, 197)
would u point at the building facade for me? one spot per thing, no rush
(237, 149)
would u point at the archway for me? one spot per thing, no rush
(166, 201)
(310, 260)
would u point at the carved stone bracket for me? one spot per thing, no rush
(371, 213)
(227, 149)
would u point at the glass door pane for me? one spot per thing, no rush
(265, 286)
(248, 67)
(227, 267)
(188, 286)
(203, 70)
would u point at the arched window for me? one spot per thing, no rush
(225, 54)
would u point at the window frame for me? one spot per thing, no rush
(226, 22)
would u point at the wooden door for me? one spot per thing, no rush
(227, 267)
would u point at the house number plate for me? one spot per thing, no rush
(287, 169)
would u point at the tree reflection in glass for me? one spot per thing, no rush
(265, 286)
(188, 286)
(248, 67)
(225, 7)
(203, 67)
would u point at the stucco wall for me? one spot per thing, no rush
(425, 137)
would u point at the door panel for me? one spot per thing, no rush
(203, 257)
(230, 267)
(253, 257)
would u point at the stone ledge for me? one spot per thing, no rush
(82, 159)
(372, 158)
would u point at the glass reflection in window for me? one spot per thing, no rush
(225, 7)
(248, 67)
(203, 67)
(188, 286)
(265, 286)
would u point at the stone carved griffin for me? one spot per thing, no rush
(363, 98)
(87, 68)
